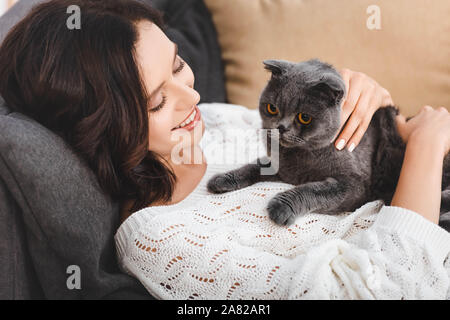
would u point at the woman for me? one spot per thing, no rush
(125, 95)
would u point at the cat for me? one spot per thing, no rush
(302, 100)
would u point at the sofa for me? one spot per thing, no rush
(54, 216)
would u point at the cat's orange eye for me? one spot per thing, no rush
(304, 118)
(271, 109)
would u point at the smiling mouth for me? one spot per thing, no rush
(188, 120)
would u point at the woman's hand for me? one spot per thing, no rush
(364, 96)
(429, 126)
(427, 138)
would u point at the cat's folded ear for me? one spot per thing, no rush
(277, 67)
(330, 86)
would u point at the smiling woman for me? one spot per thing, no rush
(91, 87)
(117, 92)
(170, 80)
(173, 111)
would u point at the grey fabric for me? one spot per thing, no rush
(12, 16)
(17, 278)
(52, 211)
(67, 218)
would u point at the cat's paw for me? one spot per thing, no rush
(222, 183)
(280, 212)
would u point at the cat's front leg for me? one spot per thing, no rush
(309, 197)
(239, 178)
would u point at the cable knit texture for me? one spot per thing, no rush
(225, 246)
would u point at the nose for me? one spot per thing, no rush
(281, 128)
(183, 89)
(186, 95)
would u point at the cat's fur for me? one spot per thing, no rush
(326, 180)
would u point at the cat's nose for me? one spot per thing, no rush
(281, 128)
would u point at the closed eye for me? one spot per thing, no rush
(164, 99)
(181, 66)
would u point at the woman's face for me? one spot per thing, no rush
(170, 82)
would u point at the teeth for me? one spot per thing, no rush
(188, 120)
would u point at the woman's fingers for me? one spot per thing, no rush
(363, 97)
(346, 73)
(400, 121)
(427, 121)
(426, 108)
(358, 122)
(364, 120)
(443, 109)
(386, 98)
(354, 92)
(430, 125)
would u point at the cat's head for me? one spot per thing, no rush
(302, 100)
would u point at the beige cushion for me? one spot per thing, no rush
(409, 55)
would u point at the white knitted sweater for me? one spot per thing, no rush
(225, 246)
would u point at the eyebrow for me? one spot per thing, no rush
(174, 58)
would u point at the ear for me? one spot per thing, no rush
(277, 67)
(329, 86)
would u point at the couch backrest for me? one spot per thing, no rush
(407, 52)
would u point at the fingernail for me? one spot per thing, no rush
(352, 146)
(341, 144)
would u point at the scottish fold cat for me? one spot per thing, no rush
(301, 102)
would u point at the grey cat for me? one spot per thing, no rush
(302, 100)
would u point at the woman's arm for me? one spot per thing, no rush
(419, 187)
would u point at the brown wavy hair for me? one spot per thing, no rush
(85, 85)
